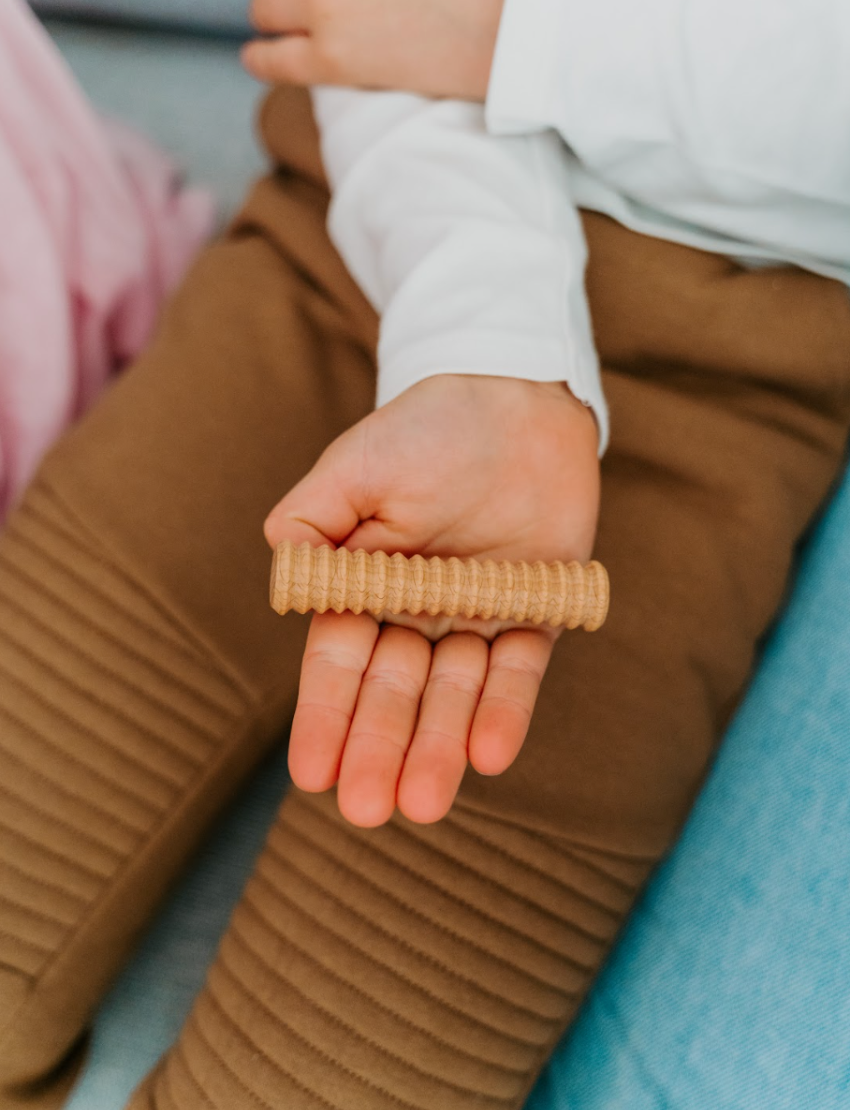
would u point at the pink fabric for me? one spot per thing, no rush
(94, 231)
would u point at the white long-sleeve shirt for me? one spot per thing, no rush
(723, 124)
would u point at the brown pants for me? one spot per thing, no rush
(142, 675)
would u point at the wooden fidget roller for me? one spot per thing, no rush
(319, 578)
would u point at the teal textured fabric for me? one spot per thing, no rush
(217, 16)
(730, 989)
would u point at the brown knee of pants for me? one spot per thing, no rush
(422, 966)
(142, 673)
(435, 966)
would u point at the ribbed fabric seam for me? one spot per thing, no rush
(204, 649)
(88, 694)
(486, 880)
(29, 922)
(170, 784)
(608, 853)
(410, 984)
(368, 1084)
(117, 676)
(188, 1070)
(39, 915)
(223, 1064)
(54, 887)
(17, 972)
(426, 957)
(66, 861)
(503, 852)
(401, 1019)
(134, 766)
(158, 1088)
(429, 922)
(570, 853)
(545, 1051)
(125, 861)
(463, 808)
(23, 944)
(19, 535)
(573, 853)
(337, 1021)
(96, 774)
(65, 792)
(489, 880)
(577, 855)
(459, 938)
(52, 819)
(131, 616)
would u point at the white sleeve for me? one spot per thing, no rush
(469, 246)
(681, 103)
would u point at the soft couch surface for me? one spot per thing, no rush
(730, 988)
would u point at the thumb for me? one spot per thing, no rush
(288, 59)
(328, 503)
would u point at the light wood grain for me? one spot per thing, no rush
(567, 595)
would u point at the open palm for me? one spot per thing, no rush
(465, 466)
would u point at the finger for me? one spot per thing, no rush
(383, 725)
(290, 60)
(339, 647)
(518, 661)
(327, 504)
(437, 758)
(279, 17)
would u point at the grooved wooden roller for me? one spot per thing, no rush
(319, 578)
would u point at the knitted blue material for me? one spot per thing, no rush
(730, 989)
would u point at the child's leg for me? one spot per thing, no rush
(142, 672)
(423, 967)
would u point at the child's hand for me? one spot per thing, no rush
(467, 466)
(432, 47)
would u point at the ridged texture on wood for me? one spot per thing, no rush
(318, 578)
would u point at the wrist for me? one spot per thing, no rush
(482, 36)
(486, 393)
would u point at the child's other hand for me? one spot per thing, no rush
(456, 465)
(432, 47)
